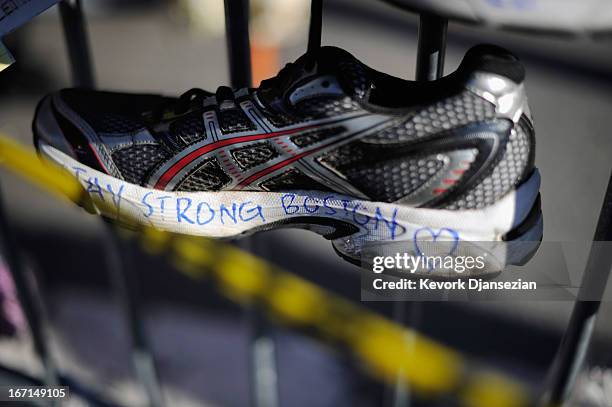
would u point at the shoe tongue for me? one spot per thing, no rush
(351, 74)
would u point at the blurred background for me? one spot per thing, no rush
(200, 340)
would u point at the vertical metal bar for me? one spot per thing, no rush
(75, 35)
(398, 395)
(122, 277)
(125, 284)
(431, 49)
(27, 299)
(263, 367)
(408, 313)
(238, 45)
(572, 350)
(262, 363)
(316, 25)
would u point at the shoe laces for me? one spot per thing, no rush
(195, 97)
(185, 101)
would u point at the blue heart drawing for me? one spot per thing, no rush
(435, 236)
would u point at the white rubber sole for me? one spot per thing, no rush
(350, 222)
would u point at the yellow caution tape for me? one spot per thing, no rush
(388, 350)
(42, 173)
(490, 389)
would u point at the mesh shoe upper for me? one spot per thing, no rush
(326, 122)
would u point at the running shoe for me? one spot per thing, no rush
(329, 144)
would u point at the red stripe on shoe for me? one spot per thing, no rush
(296, 157)
(183, 162)
(275, 167)
(438, 191)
